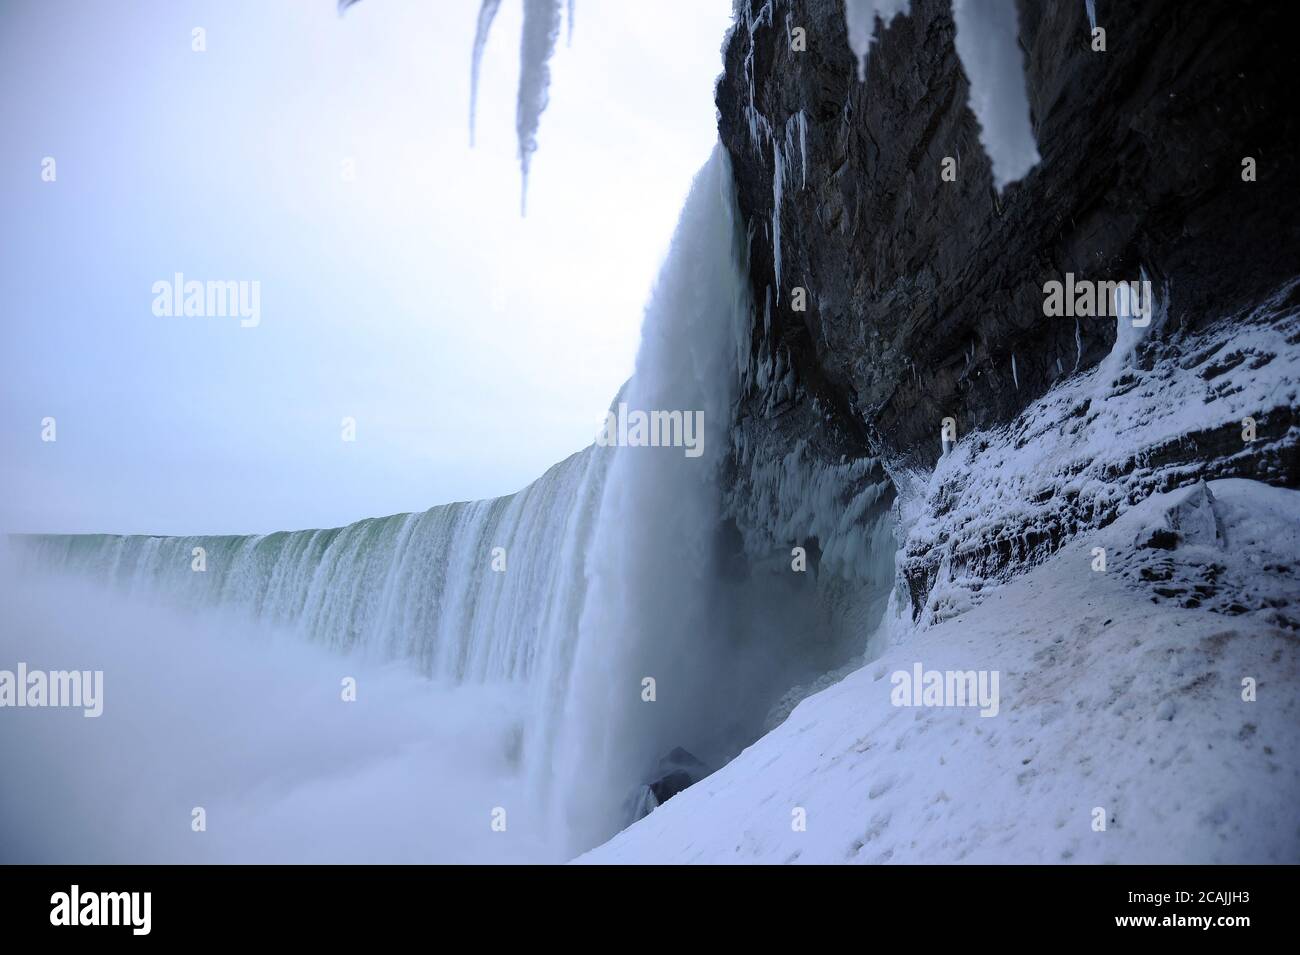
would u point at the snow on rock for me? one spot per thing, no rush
(1107, 702)
(1220, 547)
(860, 17)
(987, 43)
(1077, 458)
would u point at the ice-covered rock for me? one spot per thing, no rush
(1087, 451)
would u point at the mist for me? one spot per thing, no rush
(248, 723)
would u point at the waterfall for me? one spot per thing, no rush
(415, 587)
(654, 608)
(614, 568)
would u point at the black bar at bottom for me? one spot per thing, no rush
(334, 904)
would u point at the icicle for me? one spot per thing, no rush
(777, 176)
(486, 14)
(860, 17)
(797, 125)
(803, 146)
(753, 131)
(568, 26)
(987, 43)
(541, 30)
(758, 123)
(1014, 377)
(1091, 6)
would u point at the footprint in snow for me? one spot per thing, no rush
(880, 787)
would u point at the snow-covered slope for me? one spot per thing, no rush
(1110, 699)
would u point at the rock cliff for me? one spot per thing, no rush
(924, 297)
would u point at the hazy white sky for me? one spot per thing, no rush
(473, 348)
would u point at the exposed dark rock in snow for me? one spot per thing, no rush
(1185, 558)
(925, 297)
(677, 771)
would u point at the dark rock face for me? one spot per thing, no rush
(678, 770)
(909, 275)
(921, 291)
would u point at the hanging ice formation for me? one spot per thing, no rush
(486, 14)
(537, 45)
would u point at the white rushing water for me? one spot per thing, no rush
(613, 567)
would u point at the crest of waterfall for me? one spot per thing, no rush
(414, 587)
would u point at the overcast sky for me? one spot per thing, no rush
(474, 349)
